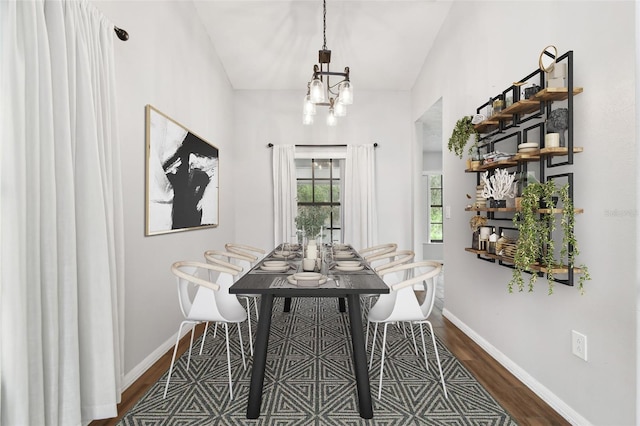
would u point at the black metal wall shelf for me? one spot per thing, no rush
(508, 124)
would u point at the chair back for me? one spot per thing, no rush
(211, 301)
(239, 262)
(368, 252)
(383, 261)
(403, 303)
(246, 250)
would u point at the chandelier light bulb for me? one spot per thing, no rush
(308, 108)
(307, 119)
(345, 94)
(339, 109)
(317, 91)
(331, 118)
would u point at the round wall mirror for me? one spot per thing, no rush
(547, 58)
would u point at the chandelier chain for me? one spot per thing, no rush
(324, 24)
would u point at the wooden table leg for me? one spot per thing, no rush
(287, 304)
(260, 357)
(360, 357)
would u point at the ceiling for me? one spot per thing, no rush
(273, 45)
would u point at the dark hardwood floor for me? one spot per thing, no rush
(524, 406)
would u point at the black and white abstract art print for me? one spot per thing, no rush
(182, 177)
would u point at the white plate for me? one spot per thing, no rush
(275, 268)
(348, 263)
(281, 256)
(528, 145)
(350, 268)
(307, 282)
(522, 150)
(274, 263)
(307, 276)
(343, 255)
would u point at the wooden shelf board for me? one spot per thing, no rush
(514, 210)
(557, 269)
(527, 156)
(555, 93)
(486, 126)
(491, 209)
(525, 106)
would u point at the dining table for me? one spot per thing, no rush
(335, 282)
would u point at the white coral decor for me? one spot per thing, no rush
(500, 186)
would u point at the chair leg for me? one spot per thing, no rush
(255, 305)
(435, 348)
(373, 344)
(244, 364)
(204, 335)
(384, 344)
(173, 360)
(413, 336)
(193, 329)
(226, 331)
(248, 302)
(424, 347)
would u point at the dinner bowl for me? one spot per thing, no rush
(348, 263)
(275, 263)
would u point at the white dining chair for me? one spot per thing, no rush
(242, 263)
(378, 264)
(248, 250)
(211, 302)
(402, 305)
(368, 252)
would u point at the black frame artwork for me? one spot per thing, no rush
(182, 177)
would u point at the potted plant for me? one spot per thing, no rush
(310, 219)
(476, 222)
(462, 131)
(536, 222)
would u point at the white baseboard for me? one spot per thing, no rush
(140, 369)
(545, 394)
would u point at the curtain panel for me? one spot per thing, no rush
(61, 224)
(285, 190)
(359, 208)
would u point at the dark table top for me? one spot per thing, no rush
(257, 281)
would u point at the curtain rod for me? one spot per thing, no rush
(122, 34)
(270, 145)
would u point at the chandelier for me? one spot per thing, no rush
(320, 91)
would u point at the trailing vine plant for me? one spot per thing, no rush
(535, 242)
(460, 136)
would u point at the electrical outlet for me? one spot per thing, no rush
(579, 344)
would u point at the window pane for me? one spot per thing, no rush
(322, 169)
(304, 191)
(435, 181)
(303, 169)
(322, 192)
(436, 232)
(337, 220)
(435, 215)
(436, 197)
(336, 192)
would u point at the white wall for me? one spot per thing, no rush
(168, 62)
(264, 117)
(482, 48)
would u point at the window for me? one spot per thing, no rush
(319, 185)
(436, 215)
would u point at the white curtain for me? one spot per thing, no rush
(359, 208)
(61, 234)
(285, 206)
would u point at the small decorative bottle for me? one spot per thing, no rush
(493, 239)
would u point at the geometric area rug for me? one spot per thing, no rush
(309, 380)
